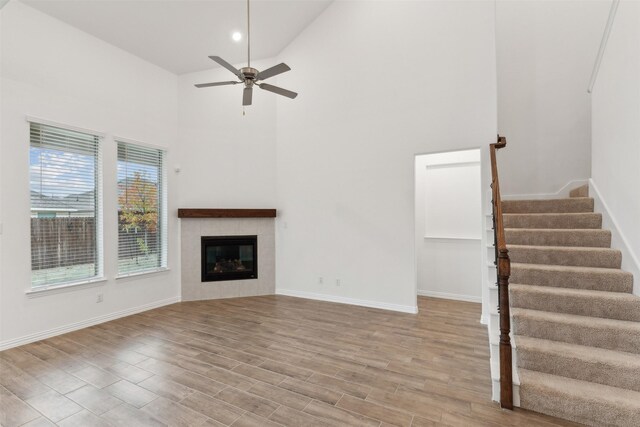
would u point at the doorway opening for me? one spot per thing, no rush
(449, 225)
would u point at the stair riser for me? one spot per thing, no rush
(620, 339)
(613, 281)
(576, 205)
(572, 221)
(592, 412)
(592, 238)
(603, 258)
(577, 304)
(627, 377)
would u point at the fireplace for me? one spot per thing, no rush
(229, 258)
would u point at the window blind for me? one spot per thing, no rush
(65, 222)
(141, 209)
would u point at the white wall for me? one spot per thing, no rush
(545, 52)
(227, 160)
(449, 225)
(616, 135)
(53, 71)
(379, 82)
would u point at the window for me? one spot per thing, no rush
(141, 209)
(65, 218)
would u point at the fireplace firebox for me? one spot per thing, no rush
(229, 258)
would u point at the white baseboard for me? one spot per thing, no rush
(351, 301)
(4, 345)
(619, 240)
(445, 295)
(561, 193)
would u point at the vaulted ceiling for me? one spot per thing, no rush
(178, 35)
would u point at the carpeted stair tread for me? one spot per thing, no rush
(575, 320)
(570, 205)
(582, 191)
(619, 335)
(580, 401)
(608, 305)
(575, 277)
(608, 367)
(561, 255)
(553, 220)
(558, 237)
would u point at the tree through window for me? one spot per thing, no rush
(141, 217)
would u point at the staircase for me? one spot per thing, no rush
(575, 321)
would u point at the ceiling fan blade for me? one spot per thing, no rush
(278, 90)
(273, 71)
(226, 65)
(247, 95)
(216, 84)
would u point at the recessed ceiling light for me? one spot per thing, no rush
(237, 36)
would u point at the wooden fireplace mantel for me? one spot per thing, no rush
(226, 213)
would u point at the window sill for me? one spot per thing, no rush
(142, 273)
(64, 287)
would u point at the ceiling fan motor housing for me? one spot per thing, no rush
(249, 73)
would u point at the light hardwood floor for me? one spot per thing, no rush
(262, 361)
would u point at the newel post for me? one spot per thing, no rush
(506, 380)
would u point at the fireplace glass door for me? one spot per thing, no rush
(229, 258)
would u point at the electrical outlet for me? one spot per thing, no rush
(100, 298)
(338, 282)
(320, 280)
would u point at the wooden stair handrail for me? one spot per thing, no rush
(503, 265)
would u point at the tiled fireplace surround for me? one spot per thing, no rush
(192, 228)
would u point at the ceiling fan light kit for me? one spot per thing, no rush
(250, 76)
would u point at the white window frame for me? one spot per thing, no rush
(162, 210)
(98, 278)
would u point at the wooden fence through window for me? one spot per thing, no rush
(67, 241)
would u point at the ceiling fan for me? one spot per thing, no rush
(250, 76)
